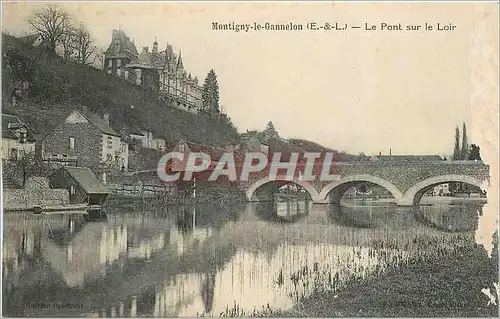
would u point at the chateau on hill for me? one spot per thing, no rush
(161, 71)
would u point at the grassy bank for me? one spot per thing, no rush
(433, 287)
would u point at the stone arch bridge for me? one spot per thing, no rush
(406, 181)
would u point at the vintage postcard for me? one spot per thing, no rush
(250, 159)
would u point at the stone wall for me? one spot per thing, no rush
(36, 192)
(88, 147)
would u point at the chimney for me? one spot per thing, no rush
(105, 117)
(379, 153)
(84, 109)
(390, 151)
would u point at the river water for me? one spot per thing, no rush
(203, 260)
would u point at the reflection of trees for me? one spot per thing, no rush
(449, 218)
(292, 210)
(207, 291)
(351, 217)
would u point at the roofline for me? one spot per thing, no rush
(85, 115)
(73, 178)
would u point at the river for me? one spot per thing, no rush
(203, 260)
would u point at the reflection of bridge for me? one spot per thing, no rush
(406, 181)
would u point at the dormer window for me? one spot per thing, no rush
(72, 143)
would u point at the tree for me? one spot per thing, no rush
(210, 94)
(464, 153)
(51, 23)
(84, 49)
(456, 150)
(27, 165)
(20, 64)
(269, 132)
(474, 153)
(67, 41)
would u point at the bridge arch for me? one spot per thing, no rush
(251, 191)
(415, 193)
(345, 183)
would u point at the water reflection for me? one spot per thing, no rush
(198, 260)
(283, 212)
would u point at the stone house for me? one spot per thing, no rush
(145, 137)
(15, 139)
(89, 140)
(256, 145)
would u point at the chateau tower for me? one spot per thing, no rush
(155, 47)
(121, 51)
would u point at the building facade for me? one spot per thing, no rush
(15, 141)
(160, 71)
(86, 140)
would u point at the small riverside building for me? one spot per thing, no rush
(83, 185)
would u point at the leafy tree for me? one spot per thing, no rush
(474, 153)
(210, 94)
(456, 150)
(28, 165)
(51, 23)
(464, 153)
(20, 64)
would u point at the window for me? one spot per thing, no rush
(13, 154)
(118, 63)
(110, 63)
(72, 190)
(119, 72)
(126, 74)
(71, 143)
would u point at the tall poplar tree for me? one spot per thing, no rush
(210, 94)
(456, 150)
(464, 153)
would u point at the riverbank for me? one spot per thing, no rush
(421, 288)
(446, 283)
(215, 196)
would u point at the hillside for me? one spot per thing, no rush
(53, 86)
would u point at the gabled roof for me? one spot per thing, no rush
(94, 119)
(86, 179)
(9, 124)
(10, 119)
(98, 122)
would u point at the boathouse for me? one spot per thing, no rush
(83, 185)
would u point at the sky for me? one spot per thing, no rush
(354, 90)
